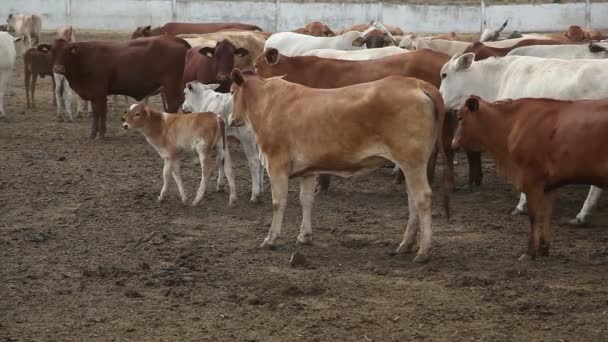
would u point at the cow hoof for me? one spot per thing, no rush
(255, 200)
(100, 137)
(525, 257)
(319, 191)
(304, 239)
(268, 245)
(576, 222)
(518, 211)
(220, 188)
(404, 249)
(159, 199)
(422, 259)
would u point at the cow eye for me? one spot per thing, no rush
(137, 114)
(444, 75)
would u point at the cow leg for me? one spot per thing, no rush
(536, 204)
(278, 186)
(323, 184)
(67, 100)
(593, 198)
(206, 168)
(220, 173)
(227, 168)
(254, 168)
(27, 79)
(33, 85)
(411, 229)
(418, 185)
(100, 108)
(546, 235)
(59, 102)
(475, 172)
(307, 196)
(399, 178)
(521, 208)
(4, 77)
(54, 87)
(430, 168)
(174, 95)
(166, 175)
(177, 177)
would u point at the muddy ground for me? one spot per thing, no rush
(87, 254)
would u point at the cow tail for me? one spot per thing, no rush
(444, 143)
(222, 127)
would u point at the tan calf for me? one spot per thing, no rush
(175, 135)
(303, 132)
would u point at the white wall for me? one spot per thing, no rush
(125, 15)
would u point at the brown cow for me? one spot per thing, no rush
(137, 68)
(483, 51)
(302, 132)
(319, 29)
(327, 73)
(36, 63)
(173, 29)
(539, 145)
(211, 65)
(378, 39)
(394, 30)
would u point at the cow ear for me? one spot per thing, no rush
(271, 56)
(147, 29)
(18, 39)
(207, 51)
(44, 48)
(237, 77)
(360, 41)
(213, 86)
(241, 52)
(465, 61)
(472, 104)
(189, 86)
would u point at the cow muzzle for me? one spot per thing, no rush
(58, 69)
(125, 126)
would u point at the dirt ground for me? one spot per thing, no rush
(87, 254)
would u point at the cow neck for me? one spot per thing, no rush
(257, 97)
(489, 72)
(155, 127)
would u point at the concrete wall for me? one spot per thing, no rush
(277, 15)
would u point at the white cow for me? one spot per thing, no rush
(358, 55)
(203, 98)
(491, 34)
(27, 25)
(595, 51)
(295, 44)
(515, 77)
(7, 62)
(449, 47)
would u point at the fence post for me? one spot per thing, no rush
(588, 14)
(173, 10)
(276, 15)
(483, 15)
(68, 11)
(381, 12)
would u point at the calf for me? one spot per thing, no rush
(7, 63)
(176, 135)
(539, 145)
(302, 132)
(325, 73)
(200, 97)
(36, 62)
(173, 29)
(212, 64)
(27, 25)
(319, 29)
(137, 68)
(482, 51)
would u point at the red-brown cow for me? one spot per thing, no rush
(137, 68)
(539, 145)
(482, 51)
(173, 29)
(36, 63)
(327, 73)
(210, 65)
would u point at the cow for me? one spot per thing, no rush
(173, 29)
(27, 25)
(394, 30)
(7, 63)
(36, 63)
(449, 47)
(319, 29)
(491, 34)
(587, 51)
(136, 68)
(378, 39)
(514, 77)
(249, 40)
(482, 51)
(539, 146)
(357, 55)
(66, 33)
(200, 97)
(212, 65)
(295, 44)
(299, 138)
(326, 73)
(174, 136)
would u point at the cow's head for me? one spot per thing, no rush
(142, 31)
(456, 80)
(223, 53)
(375, 39)
(490, 34)
(576, 34)
(327, 32)
(240, 112)
(194, 96)
(467, 133)
(136, 117)
(10, 21)
(63, 53)
(268, 61)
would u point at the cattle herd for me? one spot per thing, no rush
(316, 102)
